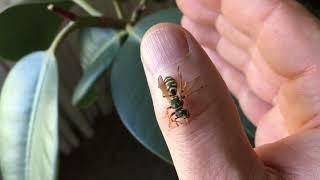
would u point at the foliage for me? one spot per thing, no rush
(312, 5)
(20, 31)
(130, 90)
(29, 97)
(98, 48)
(29, 119)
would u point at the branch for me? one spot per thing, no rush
(87, 21)
(102, 22)
(63, 13)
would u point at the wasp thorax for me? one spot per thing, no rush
(173, 92)
(176, 102)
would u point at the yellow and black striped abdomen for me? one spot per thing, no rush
(171, 85)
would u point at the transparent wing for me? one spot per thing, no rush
(187, 89)
(180, 82)
(162, 87)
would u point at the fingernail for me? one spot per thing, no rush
(163, 47)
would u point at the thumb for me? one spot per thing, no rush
(213, 143)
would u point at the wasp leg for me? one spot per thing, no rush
(171, 120)
(184, 121)
(175, 119)
(187, 120)
(170, 117)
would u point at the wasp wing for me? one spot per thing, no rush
(189, 86)
(162, 87)
(180, 82)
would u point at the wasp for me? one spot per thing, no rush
(175, 91)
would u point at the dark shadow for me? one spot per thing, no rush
(113, 154)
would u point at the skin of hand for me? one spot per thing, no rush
(266, 52)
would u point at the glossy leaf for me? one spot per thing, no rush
(84, 100)
(25, 29)
(28, 119)
(132, 99)
(312, 5)
(130, 90)
(5, 4)
(98, 49)
(248, 126)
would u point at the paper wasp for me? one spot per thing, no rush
(175, 91)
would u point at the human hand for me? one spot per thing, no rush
(266, 52)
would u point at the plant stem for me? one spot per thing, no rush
(87, 21)
(82, 22)
(136, 13)
(101, 22)
(117, 9)
(63, 13)
(78, 21)
(87, 7)
(132, 33)
(61, 35)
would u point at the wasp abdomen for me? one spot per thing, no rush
(171, 85)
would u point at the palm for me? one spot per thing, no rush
(249, 54)
(267, 53)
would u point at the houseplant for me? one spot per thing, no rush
(29, 103)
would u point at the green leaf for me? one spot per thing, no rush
(25, 29)
(132, 99)
(5, 4)
(98, 49)
(130, 91)
(94, 42)
(248, 126)
(312, 5)
(29, 119)
(85, 100)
